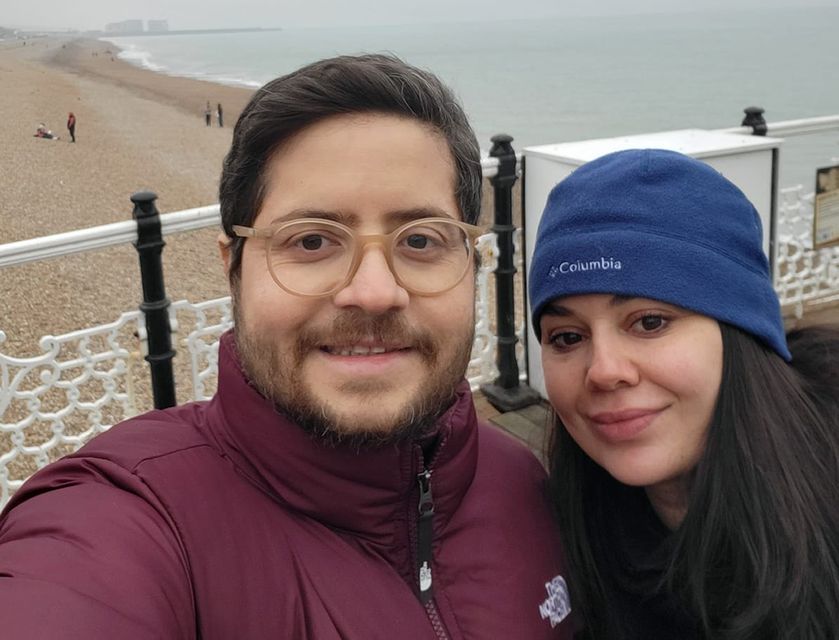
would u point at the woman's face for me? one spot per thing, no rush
(634, 381)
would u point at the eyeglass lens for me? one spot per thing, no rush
(313, 258)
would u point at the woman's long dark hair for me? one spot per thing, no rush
(757, 555)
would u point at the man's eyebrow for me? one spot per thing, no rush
(397, 217)
(556, 309)
(418, 213)
(320, 214)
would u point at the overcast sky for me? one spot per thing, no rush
(196, 14)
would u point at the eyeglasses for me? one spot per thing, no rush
(315, 258)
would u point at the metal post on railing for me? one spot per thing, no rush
(754, 119)
(506, 393)
(155, 305)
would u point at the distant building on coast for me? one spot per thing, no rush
(161, 27)
(125, 26)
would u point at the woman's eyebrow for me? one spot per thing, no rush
(619, 299)
(556, 309)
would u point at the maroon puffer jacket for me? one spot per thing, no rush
(224, 520)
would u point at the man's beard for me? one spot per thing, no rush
(277, 374)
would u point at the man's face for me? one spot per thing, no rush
(372, 361)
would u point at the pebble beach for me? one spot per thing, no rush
(136, 130)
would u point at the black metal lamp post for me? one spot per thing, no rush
(754, 119)
(506, 393)
(155, 304)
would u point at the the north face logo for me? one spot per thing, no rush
(558, 605)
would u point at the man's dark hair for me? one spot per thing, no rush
(342, 85)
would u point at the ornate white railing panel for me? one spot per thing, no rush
(52, 403)
(482, 366)
(207, 321)
(802, 276)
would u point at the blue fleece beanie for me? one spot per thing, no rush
(657, 224)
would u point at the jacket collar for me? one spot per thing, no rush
(370, 493)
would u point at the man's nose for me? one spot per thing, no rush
(373, 287)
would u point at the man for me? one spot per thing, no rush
(338, 485)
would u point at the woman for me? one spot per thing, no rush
(695, 459)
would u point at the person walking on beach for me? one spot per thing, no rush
(71, 126)
(208, 114)
(220, 115)
(339, 484)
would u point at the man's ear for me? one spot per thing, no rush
(224, 243)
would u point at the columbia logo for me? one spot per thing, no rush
(600, 264)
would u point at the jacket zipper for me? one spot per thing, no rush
(425, 535)
(436, 622)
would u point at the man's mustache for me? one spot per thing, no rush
(354, 327)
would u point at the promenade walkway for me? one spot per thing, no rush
(530, 425)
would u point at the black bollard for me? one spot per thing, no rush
(155, 304)
(506, 393)
(754, 119)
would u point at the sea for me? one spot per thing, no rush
(576, 78)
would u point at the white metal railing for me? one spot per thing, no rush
(803, 276)
(53, 403)
(103, 236)
(793, 127)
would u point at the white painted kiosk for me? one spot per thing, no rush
(748, 161)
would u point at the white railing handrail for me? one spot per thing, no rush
(62, 244)
(801, 126)
(102, 236)
(117, 233)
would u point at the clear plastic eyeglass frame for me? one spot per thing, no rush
(360, 243)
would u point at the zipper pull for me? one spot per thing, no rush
(424, 536)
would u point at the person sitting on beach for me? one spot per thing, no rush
(339, 484)
(695, 458)
(43, 132)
